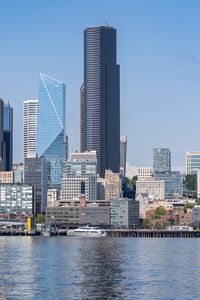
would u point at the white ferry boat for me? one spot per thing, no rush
(86, 231)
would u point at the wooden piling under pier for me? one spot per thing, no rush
(153, 233)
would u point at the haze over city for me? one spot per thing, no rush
(158, 51)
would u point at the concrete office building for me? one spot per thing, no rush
(94, 215)
(30, 128)
(154, 188)
(124, 213)
(82, 167)
(6, 176)
(35, 174)
(112, 185)
(123, 155)
(100, 98)
(192, 162)
(8, 136)
(52, 196)
(16, 199)
(144, 172)
(161, 160)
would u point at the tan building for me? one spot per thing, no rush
(52, 196)
(154, 188)
(144, 172)
(112, 185)
(71, 188)
(6, 177)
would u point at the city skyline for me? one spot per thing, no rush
(166, 73)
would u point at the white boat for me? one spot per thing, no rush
(87, 231)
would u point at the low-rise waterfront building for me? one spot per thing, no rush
(94, 215)
(196, 216)
(124, 213)
(16, 199)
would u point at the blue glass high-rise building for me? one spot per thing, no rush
(51, 138)
(8, 136)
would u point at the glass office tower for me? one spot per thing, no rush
(51, 139)
(8, 136)
(161, 160)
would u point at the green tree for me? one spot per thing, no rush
(146, 224)
(188, 205)
(133, 182)
(160, 211)
(190, 182)
(158, 225)
(40, 218)
(198, 201)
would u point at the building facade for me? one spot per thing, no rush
(81, 168)
(51, 137)
(8, 136)
(112, 185)
(18, 170)
(153, 187)
(35, 174)
(196, 216)
(192, 162)
(30, 128)
(123, 155)
(16, 199)
(100, 188)
(100, 98)
(173, 184)
(144, 172)
(161, 160)
(124, 213)
(2, 144)
(6, 177)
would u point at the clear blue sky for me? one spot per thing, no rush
(158, 51)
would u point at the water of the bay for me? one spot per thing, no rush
(99, 268)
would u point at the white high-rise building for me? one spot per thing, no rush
(30, 128)
(192, 162)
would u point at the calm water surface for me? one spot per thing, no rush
(99, 268)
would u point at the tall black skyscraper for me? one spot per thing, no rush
(8, 136)
(100, 98)
(2, 144)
